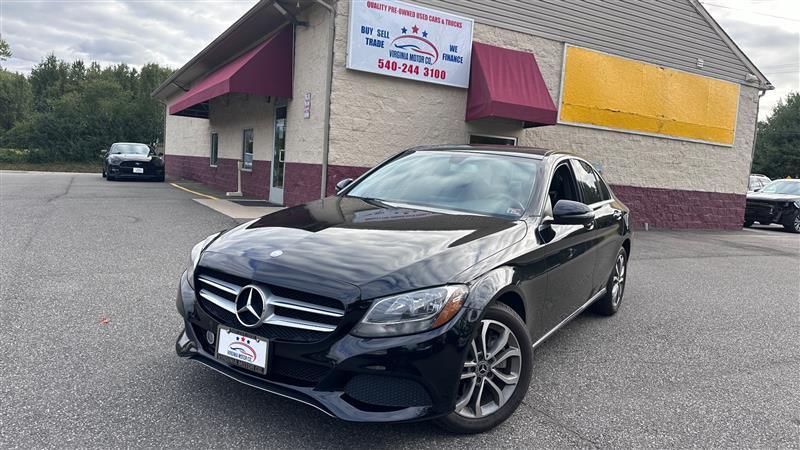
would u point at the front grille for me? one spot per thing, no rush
(294, 316)
(756, 208)
(134, 164)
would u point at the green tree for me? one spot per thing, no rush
(66, 111)
(5, 50)
(777, 152)
(15, 99)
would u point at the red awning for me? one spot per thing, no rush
(507, 83)
(265, 70)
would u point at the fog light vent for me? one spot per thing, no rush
(387, 391)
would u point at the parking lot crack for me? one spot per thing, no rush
(558, 423)
(66, 191)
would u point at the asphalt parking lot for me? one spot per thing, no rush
(704, 351)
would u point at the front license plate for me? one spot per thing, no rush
(138, 170)
(242, 349)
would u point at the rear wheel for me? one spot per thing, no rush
(748, 223)
(615, 287)
(792, 222)
(495, 375)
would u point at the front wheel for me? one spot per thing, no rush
(495, 375)
(608, 305)
(792, 222)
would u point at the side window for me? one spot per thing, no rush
(562, 186)
(247, 149)
(214, 149)
(605, 192)
(588, 183)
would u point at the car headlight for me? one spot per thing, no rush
(194, 257)
(797, 204)
(412, 312)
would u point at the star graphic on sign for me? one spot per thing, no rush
(404, 30)
(424, 34)
(415, 29)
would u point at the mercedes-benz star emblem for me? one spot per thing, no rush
(251, 307)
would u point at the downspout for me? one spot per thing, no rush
(761, 93)
(327, 114)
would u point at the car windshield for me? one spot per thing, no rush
(130, 149)
(479, 183)
(791, 187)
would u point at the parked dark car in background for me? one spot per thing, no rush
(777, 202)
(417, 292)
(132, 160)
(757, 181)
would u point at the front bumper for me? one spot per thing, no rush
(393, 379)
(127, 172)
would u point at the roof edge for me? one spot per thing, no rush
(224, 35)
(764, 83)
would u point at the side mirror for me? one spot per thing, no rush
(568, 212)
(756, 189)
(343, 184)
(104, 151)
(160, 155)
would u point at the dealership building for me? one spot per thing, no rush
(296, 96)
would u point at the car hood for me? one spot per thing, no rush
(379, 248)
(772, 197)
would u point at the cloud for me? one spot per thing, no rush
(768, 32)
(115, 31)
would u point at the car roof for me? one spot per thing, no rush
(135, 143)
(531, 152)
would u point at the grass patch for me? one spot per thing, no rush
(35, 160)
(53, 167)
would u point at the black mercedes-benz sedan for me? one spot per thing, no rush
(419, 291)
(132, 160)
(777, 202)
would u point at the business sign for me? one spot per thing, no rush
(408, 41)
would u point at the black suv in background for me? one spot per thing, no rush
(417, 292)
(777, 202)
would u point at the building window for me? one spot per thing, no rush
(247, 149)
(214, 149)
(491, 140)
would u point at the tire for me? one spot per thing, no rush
(104, 172)
(748, 223)
(109, 177)
(792, 222)
(608, 305)
(513, 360)
(160, 179)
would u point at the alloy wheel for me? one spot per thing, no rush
(490, 373)
(797, 222)
(618, 280)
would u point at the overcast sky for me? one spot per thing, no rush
(171, 32)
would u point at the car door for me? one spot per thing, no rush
(606, 234)
(568, 259)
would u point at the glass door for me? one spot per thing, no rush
(278, 152)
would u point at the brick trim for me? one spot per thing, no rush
(680, 209)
